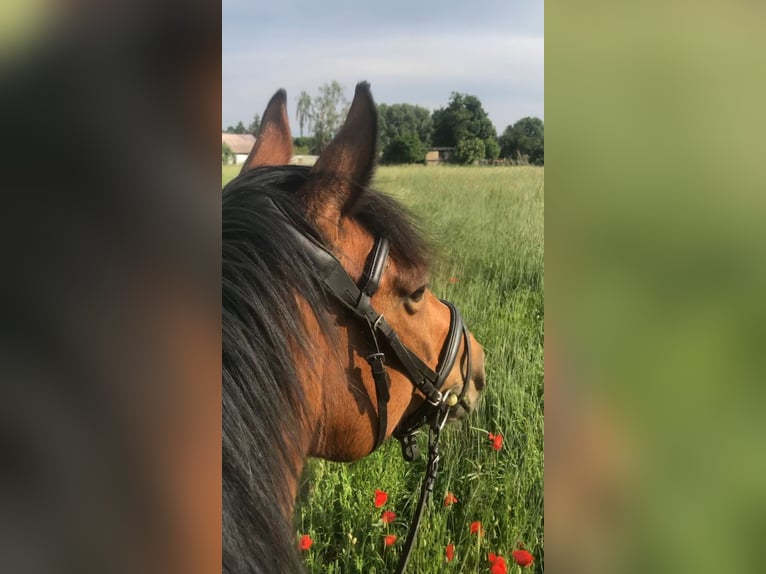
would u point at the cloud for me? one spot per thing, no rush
(504, 69)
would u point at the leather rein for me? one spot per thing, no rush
(357, 299)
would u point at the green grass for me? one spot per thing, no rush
(229, 172)
(488, 226)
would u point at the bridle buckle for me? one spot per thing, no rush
(376, 358)
(438, 401)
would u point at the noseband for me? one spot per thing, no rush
(357, 299)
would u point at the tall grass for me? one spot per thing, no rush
(487, 224)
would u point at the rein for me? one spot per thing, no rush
(435, 410)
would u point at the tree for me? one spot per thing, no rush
(238, 129)
(303, 111)
(227, 156)
(303, 145)
(469, 150)
(404, 149)
(328, 110)
(255, 125)
(491, 148)
(404, 132)
(464, 118)
(525, 138)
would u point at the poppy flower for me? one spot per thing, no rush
(522, 557)
(389, 539)
(387, 517)
(450, 551)
(452, 280)
(450, 499)
(305, 542)
(496, 440)
(498, 566)
(380, 498)
(476, 527)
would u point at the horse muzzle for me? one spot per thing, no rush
(468, 399)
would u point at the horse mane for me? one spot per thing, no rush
(263, 404)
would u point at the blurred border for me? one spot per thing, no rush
(654, 287)
(110, 354)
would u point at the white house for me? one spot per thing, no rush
(239, 144)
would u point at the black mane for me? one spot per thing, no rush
(263, 269)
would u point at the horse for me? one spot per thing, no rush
(331, 339)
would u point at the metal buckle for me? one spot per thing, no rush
(438, 401)
(373, 356)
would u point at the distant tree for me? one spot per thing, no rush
(524, 138)
(464, 118)
(328, 110)
(491, 148)
(227, 156)
(404, 132)
(406, 148)
(469, 150)
(303, 145)
(255, 125)
(238, 129)
(303, 111)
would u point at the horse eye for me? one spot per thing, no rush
(418, 294)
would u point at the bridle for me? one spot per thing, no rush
(357, 299)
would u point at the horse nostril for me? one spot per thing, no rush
(478, 380)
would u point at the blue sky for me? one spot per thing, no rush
(410, 51)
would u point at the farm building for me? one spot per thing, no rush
(240, 144)
(439, 155)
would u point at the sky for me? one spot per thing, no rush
(410, 51)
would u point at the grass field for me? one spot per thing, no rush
(488, 226)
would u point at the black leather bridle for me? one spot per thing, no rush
(357, 299)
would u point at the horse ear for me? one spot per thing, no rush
(274, 143)
(346, 166)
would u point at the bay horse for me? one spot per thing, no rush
(331, 340)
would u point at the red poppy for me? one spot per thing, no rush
(498, 566)
(450, 551)
(452, 279)
(380, 498)
(496, 440)
(387, 517)
(305, 542)
(389, 539)
(476, 527)
(522, 557)
(491, 557)
(450, 499)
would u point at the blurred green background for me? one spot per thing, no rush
(656, 316)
